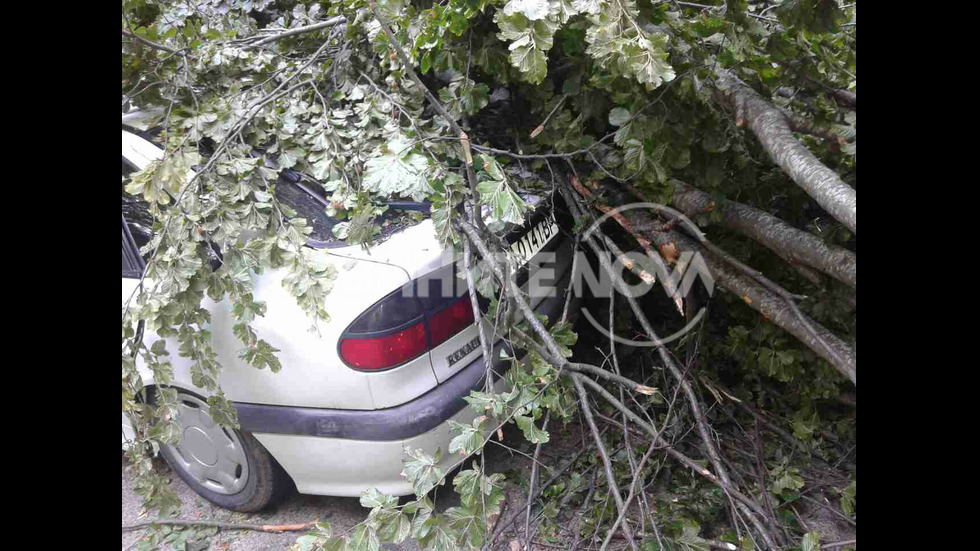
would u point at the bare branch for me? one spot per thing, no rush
(693, 403)
(607, 465)
(221, 525)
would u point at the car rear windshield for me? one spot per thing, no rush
(304, 199)
(301, 193)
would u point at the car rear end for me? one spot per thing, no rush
(391, 367)
(424, 324)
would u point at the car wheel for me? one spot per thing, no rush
(225, 466)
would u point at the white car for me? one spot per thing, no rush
(387, 371)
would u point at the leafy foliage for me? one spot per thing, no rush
(623, 88)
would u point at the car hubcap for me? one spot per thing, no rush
(211, 455)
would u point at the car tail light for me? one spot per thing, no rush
(451, 320)
(385, 351)
(403, 325)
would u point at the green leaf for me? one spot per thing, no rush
(811, 542)
(689, 538)
(565, 337)
(395, 529)
(532, 433)
(817, 16)
(398, 171)
(788, 481)
(505, 205)
(159, 348)
(422, 522)
(364, 538)
(469, 439)
(482, 402)
(848, 498)
(529, 40)
(531, 9)
(421, 471)
(374, 498)
(619, 116)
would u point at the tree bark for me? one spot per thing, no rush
(783, 239)
(777, 311)
(774, 307)
(772, 129)
(847, 99)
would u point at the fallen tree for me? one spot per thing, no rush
(465, 103)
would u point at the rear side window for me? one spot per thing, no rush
(132, 264)
(136, 222)
(306, 198)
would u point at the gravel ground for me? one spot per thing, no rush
(341, 512)
(510, 457)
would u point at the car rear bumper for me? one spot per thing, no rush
(413, 418)
(347, 467)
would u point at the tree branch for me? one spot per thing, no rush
(221, 525)
(607, 465)
(153, 45)
(332, 22)
(693, 402)
(761, 294)
(463, 138)
(771, 232)
(770, 126)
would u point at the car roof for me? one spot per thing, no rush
(139, 151)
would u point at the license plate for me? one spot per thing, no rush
(535, 239)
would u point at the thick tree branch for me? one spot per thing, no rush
(826, 344)
(770, 126)
(332, 22)
(762, 295)
(771, 232)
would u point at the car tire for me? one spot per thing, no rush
(228, 467)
